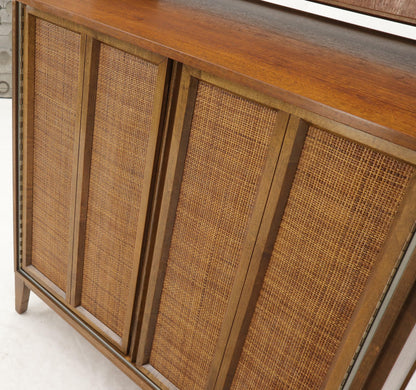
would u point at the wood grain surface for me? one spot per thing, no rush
(359, 78)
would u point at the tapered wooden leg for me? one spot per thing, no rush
(21, 295)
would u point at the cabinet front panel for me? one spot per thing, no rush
(225, 159)
(124, 106)
(54, 126)
(341, 206)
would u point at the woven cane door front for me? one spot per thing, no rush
(52, 73)
(118, 151)
(92, 117)
(331, 250)
(220, 169)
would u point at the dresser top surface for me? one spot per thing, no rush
(359, 78)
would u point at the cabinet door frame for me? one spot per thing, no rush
(87, 125)
(339, 129)
(387, 288)
(375, 290)
(30, 16)
(42, 290)
(88, 73)
(286, 141)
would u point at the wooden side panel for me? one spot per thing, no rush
(396, 340)
(342, 204)
(53, 56)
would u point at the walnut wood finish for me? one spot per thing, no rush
(355, 84)
(156, 196)
(252, 275)
(21, 295)
(390, 337)
(167, 215)
(30, 114)
(86, 149)
(184, 114)
(83, 143)
(396, 340)
(84, 162)
(120, 361)
(337, 72)
(398, 238)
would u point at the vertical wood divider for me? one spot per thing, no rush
(92, 52)
(168, 111)
(251, 278)
(75, 163)
(274, 151)
(177, 154)
(151, 159)
(28, 87)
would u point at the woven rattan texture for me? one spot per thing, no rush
(56, 69)
(342, 203)
(123, 121)
(225, 159)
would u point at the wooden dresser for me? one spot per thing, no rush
(217, 194)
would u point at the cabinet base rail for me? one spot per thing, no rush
(95, 339)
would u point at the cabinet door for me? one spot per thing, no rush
(53, 68)
(225, 146)
(125, 88)
(331, 257)
(93, 111)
